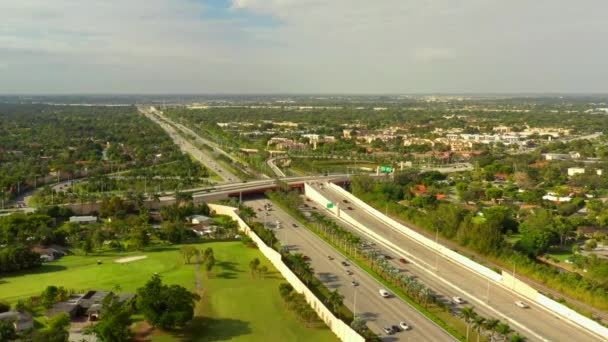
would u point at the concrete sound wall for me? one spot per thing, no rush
(337, 326)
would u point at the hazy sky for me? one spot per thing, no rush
(303, 46)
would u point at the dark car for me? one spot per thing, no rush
(350, 208)
(388, 257)
(295, 225)
(395, 328)
(344, 263)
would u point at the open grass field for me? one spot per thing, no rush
(239, 307)
(235, 306)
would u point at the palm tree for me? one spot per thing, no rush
(491, 325)
(478, 324)
(518, 338)
(503, 329)
(253, 265)
(335, 299)
(468, 314)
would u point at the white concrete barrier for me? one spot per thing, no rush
(448, 253)
(337, 326)
(505, 280)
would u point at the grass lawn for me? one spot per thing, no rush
(561, 253)
(238, 307)
(235, 306)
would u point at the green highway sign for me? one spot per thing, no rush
(386, 169)
(330, 205)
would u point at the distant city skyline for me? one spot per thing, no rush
(303, 47)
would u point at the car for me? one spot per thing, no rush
(521, 304)
(388, 257)
(403, 260)
(259, 209)
(344, 263)
(384, 293)
(306, 257)
(395, 328)
(404, 326)
(267, 214)
(354, 283)
(295, 225)
(388, 330)
(345, 201)
(305, 205)
(330, 257)
(349, 272)
(458, 300)
(349, 208)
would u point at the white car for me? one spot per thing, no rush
(521, 304)
(458, 300)
(404, 326)
(384, 293)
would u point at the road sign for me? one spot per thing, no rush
(330, 205)
(386, 169)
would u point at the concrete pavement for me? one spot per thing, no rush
(376, 310)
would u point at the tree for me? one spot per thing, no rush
(263, 271)
(503, 329)
(478, 324)
(358, 324)
(468, 314)
(517, 338)
(335, 299)
(115, 320)
(491, 325)
(253, 266)
(164, 306)
(493, 193)
(209, 263)
(188, 252)
(4, 307)
(7, 331)
(53, 294)
(563, 228)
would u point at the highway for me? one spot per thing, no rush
(187, 147)
(451, 279)
(376, 310)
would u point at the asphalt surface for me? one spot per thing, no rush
(450, 279)
(376, 310)
(188, 147)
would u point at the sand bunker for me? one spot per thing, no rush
(130, 259)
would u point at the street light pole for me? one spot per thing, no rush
(355, 304)
(436, 246)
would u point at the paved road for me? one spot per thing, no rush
(450, 279)
(187, 147)
(378, 311)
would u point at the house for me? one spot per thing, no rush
(21, 320)
(500, 177)
(202, 230)
(83, 219)
(50, 253)
(200, 219)
(557, 156)
(573, 171)
(420, 189)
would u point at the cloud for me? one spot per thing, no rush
(302, 46)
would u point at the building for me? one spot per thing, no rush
(50, 253)
(21, 320)
(200, 219)
(573, 171)
(83, 219)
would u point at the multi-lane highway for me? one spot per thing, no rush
(187, 147)
(451, 279)
(378, 311)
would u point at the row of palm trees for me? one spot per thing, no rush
(499, 331)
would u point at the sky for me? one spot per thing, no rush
(303, 46)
